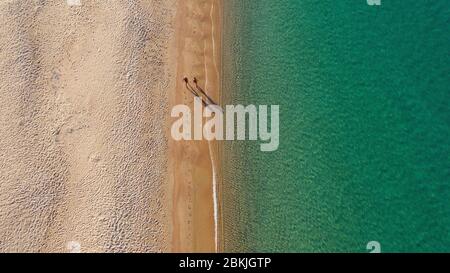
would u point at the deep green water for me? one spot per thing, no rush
(364, 125)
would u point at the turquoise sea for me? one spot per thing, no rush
(364, 95)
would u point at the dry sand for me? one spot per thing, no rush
(86, 162)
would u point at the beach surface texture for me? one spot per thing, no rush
(86, 159)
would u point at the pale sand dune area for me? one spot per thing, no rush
(83, 96)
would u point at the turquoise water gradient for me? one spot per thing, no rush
(364, 126)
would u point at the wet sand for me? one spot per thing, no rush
(194, 165)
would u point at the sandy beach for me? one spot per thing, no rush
(87, 163)
(194, 165)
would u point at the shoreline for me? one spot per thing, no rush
(194, 167)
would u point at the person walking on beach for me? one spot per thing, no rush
(192, 90)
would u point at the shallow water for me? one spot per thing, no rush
(364, 126)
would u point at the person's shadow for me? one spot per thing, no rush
(192, 90)
(211, 101)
